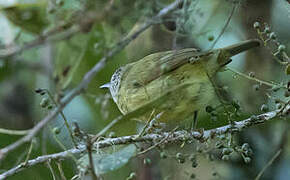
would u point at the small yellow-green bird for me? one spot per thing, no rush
(136, 84)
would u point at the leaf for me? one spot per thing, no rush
(30, 17)
(104, 163)
(73, 57)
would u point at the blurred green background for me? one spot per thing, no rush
(59, 66)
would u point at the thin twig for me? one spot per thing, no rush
(106, 128)
(14, 132)
(51, 170)
(177, 136)
(157, 144)
(268, 164)
(29, 152)
(147, 126)
(61, 144)
(90, 155)
(225, 26)
(55, 35)
(270, 84)
(60, 170)
(63, 117)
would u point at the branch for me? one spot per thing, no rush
(225, 26)
(268, 164)
(87, 78)
(54, 35)
(270, 84)
(14, 132)
(61, 32)
(171, 137)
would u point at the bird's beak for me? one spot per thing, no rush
(227, 52)
(107, 85)
(241, 47)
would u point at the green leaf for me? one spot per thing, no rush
(30, 17)
(104, 163)
(75, 57)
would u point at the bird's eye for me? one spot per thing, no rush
(136, 84)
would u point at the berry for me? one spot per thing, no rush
(226, 157)
(163, 155)
(252, 74)
(210, 38)
(257, 25)
(56, 130)
(267, 30)
(209, 109)
(147, 161)
(247, 160)
(264, 108)
(272, 35)
(256, 87)
(245, 147)
(227, 151)
(44, 102)
(281, 48)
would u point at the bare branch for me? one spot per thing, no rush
(13, 132)
(225, 26)
(276, 155)
(54, 35)
(61, 32)
(170, 137)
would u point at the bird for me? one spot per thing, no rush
(185, 72)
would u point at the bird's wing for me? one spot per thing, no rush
(168, 61)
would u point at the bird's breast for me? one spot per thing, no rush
(178, 105)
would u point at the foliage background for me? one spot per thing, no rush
(197, 25)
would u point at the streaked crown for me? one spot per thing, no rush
(114, 84)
